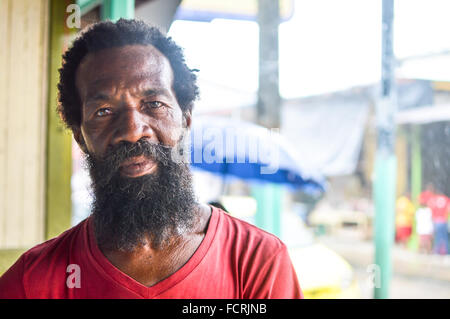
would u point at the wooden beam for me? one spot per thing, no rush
(23, 90)
(59, 140)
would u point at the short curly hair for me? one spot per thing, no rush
(107, 34)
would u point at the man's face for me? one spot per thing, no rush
(131, 124)
(127, 95)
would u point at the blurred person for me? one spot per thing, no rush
(127, 96)
(424, 229)
(448, 234)
(440, 206)
(404, 219)
(426, 194)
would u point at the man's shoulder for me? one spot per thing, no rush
(250, 236)
(259, 260)
(40, 265)
(55, 247)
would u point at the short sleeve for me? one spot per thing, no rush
(11, 282)
(276, 279)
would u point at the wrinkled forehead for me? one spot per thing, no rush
(124, 66)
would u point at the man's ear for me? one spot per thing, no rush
(78, 135)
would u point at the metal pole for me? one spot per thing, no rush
(268, 196)
(268, 90)
(269, 205)
(385, 162)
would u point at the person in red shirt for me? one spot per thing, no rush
(428, 193)
(440, 206)
(127, 95)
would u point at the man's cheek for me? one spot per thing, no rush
(175, 135)
(181, 152)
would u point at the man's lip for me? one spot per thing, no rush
(133, 160)
(137, 166)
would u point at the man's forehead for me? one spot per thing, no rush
(132, 62)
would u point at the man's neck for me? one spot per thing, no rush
(149, 265)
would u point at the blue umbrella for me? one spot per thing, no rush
(248, 151)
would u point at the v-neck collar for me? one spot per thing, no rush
(129, 283)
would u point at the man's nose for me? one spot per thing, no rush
(132, 126)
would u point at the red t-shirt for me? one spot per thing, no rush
(234, 260)
(439, 205)
(424, 197)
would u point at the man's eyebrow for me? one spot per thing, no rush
(155, 92)
(98, 96)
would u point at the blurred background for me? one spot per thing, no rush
(350, 98)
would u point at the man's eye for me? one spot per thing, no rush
(103, 112)
(154, 104)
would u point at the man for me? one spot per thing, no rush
(403, 219)
(439, 204)
(127, 95)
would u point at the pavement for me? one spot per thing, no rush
(404, 286)
(360, 253)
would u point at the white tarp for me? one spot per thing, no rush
(328, 132)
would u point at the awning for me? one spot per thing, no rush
(424, 115)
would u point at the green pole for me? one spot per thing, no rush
(87, 5)
(269, 198)
(384, 193)
(115, 9)
(385, 161)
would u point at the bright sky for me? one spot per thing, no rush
(328, 45)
